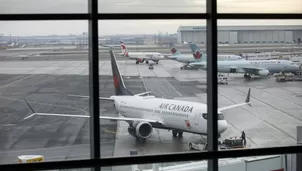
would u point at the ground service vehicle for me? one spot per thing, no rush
(197, 146)
(231, 143)
(151, 66)
(222, 79)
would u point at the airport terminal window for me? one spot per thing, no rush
(93, 36)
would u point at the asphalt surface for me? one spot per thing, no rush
(270, 121)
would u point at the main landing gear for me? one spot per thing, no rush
(184, 67)
(175, 132)
(247, 77)
(156, 61)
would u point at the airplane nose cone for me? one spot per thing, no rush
(222, 126)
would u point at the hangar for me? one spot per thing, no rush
(242, 34)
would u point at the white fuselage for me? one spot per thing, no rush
(273, 66)
(175, 114)
(187, 58)
(145, 55)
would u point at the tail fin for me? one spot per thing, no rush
(174, 50)
(198, 55)
(124, 49)
(120, 88)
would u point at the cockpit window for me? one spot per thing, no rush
(220, 116)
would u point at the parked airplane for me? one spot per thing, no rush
(178, 56)
(252, 67)
(143, 113)
(203, 57)
(140, 57)
(196, 56)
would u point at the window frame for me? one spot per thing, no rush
(212, 154)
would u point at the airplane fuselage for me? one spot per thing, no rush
(145, 55)
(273, 66)
(175, 114)
(189, 58)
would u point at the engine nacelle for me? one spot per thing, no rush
(263, 72)
(141, 130)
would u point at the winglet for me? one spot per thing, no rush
(247, 100)
(29, 116)
(141, 94)
(32, 110)
(29, 106)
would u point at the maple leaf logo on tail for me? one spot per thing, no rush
(197, 55)
(173, 50)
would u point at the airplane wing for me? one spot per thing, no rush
(140, 94)
(101, 117)
(153, 121)
(171, 57)
(247, 102)
(101, 98)
(198, 64)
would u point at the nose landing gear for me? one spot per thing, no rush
(247, 77)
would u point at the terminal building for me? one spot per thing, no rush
(242, 34)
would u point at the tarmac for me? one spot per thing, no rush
(271, 120)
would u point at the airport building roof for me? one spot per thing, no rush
(238, 28)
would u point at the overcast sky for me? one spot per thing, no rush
(22, 28)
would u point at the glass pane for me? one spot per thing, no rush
(267, 6)
(80, 169)
(155, 6)
(43, 6)
(43, 63)
(266, 59)
(152, 56)
(190, 165)
(282, 162)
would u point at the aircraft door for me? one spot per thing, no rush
(197, 118)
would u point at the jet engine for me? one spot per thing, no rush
(263, 72)
(140, 129)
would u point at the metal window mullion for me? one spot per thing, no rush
(212, 82)
(94, 105)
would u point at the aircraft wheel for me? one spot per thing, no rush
(136, 62)
(181, 68)
(174, 132)
(147, 62)
(156, 62)
(180, 134)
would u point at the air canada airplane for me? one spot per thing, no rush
(252, 67)
(143, 113)
(196, 56)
